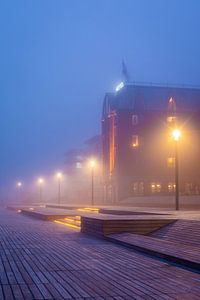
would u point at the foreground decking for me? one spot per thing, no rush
(45, 260)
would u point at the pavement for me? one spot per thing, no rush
(46, 260)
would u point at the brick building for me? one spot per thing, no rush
(138, 150)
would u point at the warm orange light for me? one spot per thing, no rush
(92, 163)
(75, 219)
(66, 224)
(135, 141)
(89, 209)
(176, 134)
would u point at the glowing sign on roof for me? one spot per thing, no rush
(119, 86)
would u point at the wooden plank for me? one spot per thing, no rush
(187, 256)
(55, 262)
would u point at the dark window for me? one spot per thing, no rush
(138, 188)
(134, 120)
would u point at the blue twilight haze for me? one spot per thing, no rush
(58, 58)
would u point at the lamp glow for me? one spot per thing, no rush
(40, 180)
(176, 134)
(92, 163)
(59, 175)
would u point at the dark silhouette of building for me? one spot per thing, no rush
(78, 172)
(138, 149)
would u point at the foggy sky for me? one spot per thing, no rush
(58, 58)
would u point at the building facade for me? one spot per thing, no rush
(78, 173)
(138, 149)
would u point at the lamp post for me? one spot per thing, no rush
(176, 135)
(59, 177)
(19, 186)
(41, 182)
(92, 165)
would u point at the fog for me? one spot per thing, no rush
(57, 61)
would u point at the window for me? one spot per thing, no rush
(171, 119)
(155, 187)
(134, 120)
(171, 162)
(171, 187)
(138, 188)
(135, 141)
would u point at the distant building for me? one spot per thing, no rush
(76, 158)
(78, 172)
(138, 151)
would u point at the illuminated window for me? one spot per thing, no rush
(171, 119)
(171, 187)
(171, 162)
(119, 86)
(155, 187)
(134, 120)
(135, 141)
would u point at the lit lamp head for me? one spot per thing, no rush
(92, 163)
(176, 134)
(19, 184)
(40, 180)
(59, 175)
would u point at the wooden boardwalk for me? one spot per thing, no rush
(185, 232)
(45, 260)
(186, 255)
(90, 221)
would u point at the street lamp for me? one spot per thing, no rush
(92, 166)
(176, 135)
(19, 186)
(59, 176)
(40, 182)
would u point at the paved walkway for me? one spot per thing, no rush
(45, 260)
